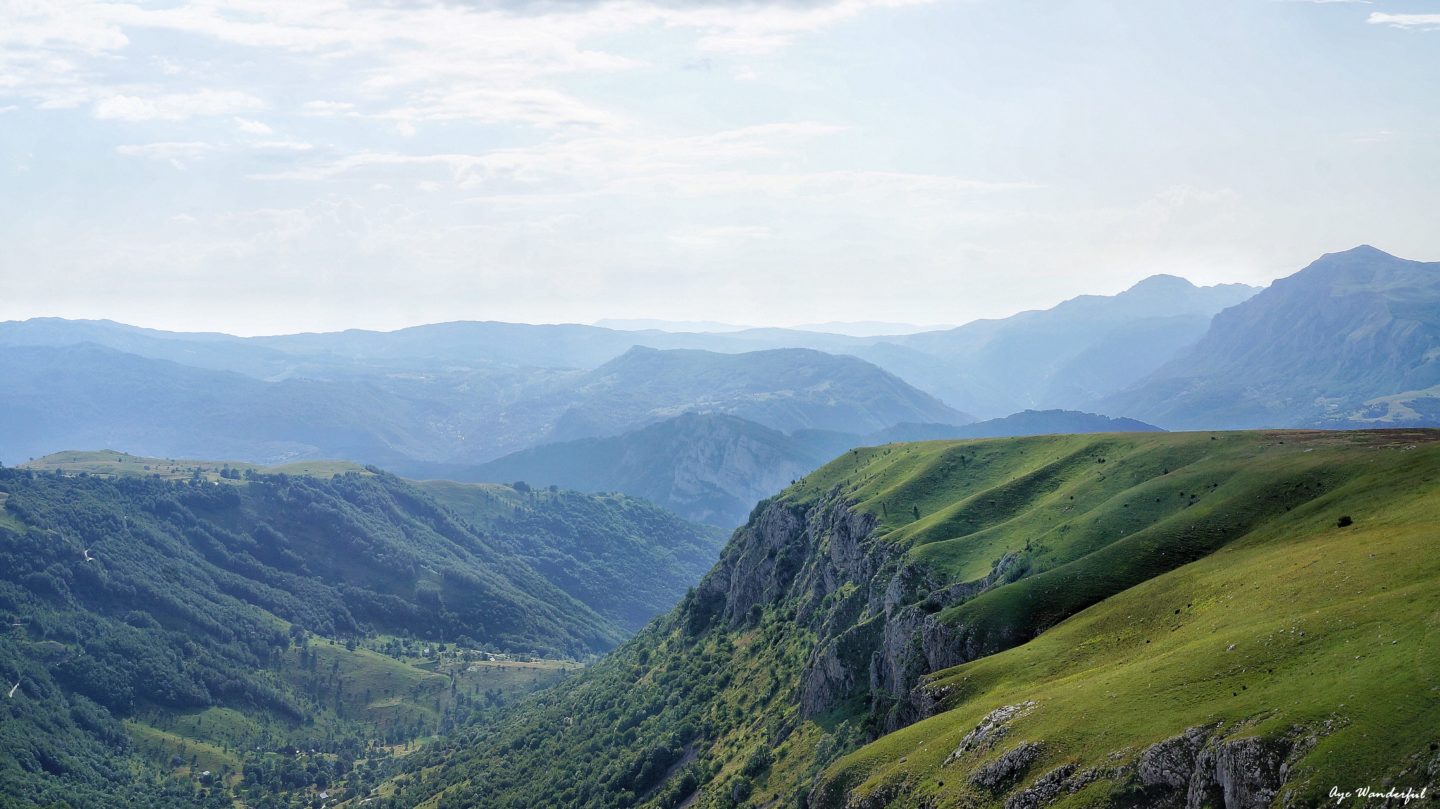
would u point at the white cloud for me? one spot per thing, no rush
(178, 154)
(328, 108)
(174, 106)
(405, 63)
(705, 238)
(250, 127)
(1420, 21)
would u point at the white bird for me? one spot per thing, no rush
(88, 557)
(13, 689)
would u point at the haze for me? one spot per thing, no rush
(258, 167)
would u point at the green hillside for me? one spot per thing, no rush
(595, 547)
(111, 462)
(287, 634)
(1104, 620)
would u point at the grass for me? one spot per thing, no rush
(196, 756)
(478, 503)
(7, 519)
(1245, 606)
(115, 464)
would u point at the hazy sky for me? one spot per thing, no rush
(262, 166)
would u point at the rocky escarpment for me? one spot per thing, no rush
(873, 616)
(1201, 767)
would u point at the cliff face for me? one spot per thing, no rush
(874, 618)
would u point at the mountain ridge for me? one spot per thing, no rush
(1315, 348)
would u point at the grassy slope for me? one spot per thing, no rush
(592, 546)
(111, 462)
(1148, 556)
(1291, 620)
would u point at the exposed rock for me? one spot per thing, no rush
(879, 635)
(1202, 768)
(1008, 767)
(990, 730)
(1045, 789)
(1171, 763)
(1243, 773)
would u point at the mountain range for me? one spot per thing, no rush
(1349, 341)
(713, 468)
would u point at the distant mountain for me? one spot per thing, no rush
(87, 395)
(713, 468)
(1353, 339)
(784, 389)
(870, 328)
(1029, 422)
(645, 324)
(710, 468)
(1068, 356)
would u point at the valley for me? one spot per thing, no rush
(265, 636)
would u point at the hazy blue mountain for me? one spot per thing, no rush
(199, 349)
(713, 468)
(649, 324)
(707, 467)
(1353, 339)
(86, 395)
(871, 328)
(1029, 422)
(1065, 357)
(784, 389)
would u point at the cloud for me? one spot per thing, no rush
(328, 108)
(174, 107)
(250, 127)
(704, 238)
(1425, 22)
(178, 154)
(406, 63)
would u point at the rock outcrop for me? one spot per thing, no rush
(874, 618)
(1204, 767)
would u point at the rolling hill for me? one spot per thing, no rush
(1351, 340)
(783, 389)
(713, 468)
(710, 468)
(1101, 621)
(168, 617)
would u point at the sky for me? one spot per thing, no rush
(271, 166)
